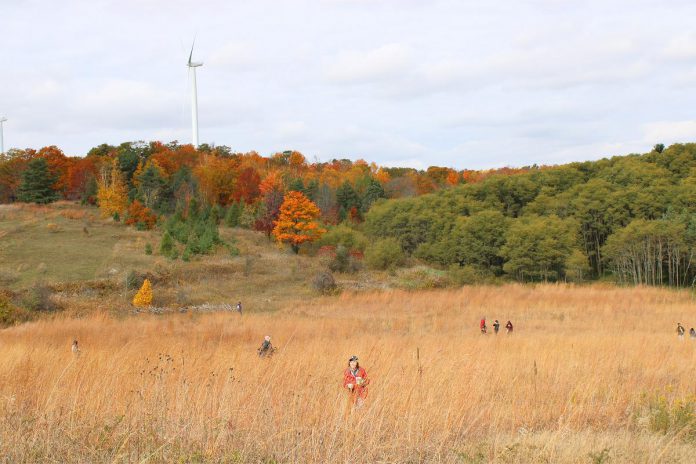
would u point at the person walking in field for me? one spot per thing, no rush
(239, 307)
(692, 333)
(680, 331)
(266, 348)
(496, 326)
(75, 349)
(355, 381)
(482, 325)
(508, 327)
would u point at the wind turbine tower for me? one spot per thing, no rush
(194, 97)
(2, 141)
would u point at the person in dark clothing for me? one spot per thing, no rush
(239, 307)
(508, 327)
(680, 330)
(692, 333)
(496, 326)
(266, 348)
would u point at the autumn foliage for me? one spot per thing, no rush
(143, 298)
(112, 194)
(298, 221)
(140, 216)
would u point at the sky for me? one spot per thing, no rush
(399, 82)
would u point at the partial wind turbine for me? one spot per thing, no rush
(2, 141)
(194, 96)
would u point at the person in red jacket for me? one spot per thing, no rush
(482, 325)
(508, 327)
(355, 381)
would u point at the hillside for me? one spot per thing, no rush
(64, 256)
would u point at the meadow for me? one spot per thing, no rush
(592, 374)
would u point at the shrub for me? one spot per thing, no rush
(325, 283)
(11, 314)
(134, 280)
(423, 277)
(345, 236)
(143, 298)
(140, 216)
(186, 255)
(344, 262)
(469, 275)
(167, 247)
(38, 298)
(148, 249)
(385, 254)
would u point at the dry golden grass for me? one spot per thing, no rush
(189, 388)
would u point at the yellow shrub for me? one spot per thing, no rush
(144, 296)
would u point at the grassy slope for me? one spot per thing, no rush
(49, 245)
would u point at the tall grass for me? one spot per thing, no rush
(567, 386)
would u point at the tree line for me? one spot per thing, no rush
(632, 218)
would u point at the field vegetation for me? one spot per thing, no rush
(591, 374)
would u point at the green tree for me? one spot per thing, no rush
(479, 240)
(37, 183)
(536, 247)
(374, 192)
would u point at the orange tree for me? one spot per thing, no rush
(298, 221)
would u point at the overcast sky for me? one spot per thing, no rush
(400, 82)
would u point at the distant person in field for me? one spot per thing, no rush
(496, 326)
(239, 307)
(692, 333)
(680, 331)
(508, 327)
(266, 348)
(355, 382)
(482, 325)
(75, 349)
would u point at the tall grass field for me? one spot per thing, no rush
(590, 374)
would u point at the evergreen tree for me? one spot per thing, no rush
(37, 183)
(373, 193)
(346, 197)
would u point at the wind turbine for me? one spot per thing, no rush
(2, 141)
(194, 96)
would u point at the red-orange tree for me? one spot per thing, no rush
(298, 221)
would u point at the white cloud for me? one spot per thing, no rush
(364, 66)
(670, 131)
(240, 55)
(682, 47)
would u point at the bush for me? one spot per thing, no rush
(144, 296)
(167, 247)
(344, 262)
(342, 235)
(325, 283)
(11, 314)
(148, 249)
(38, 298)
(469, 275)
(385, 254)
(423, 277)
(134, 280)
